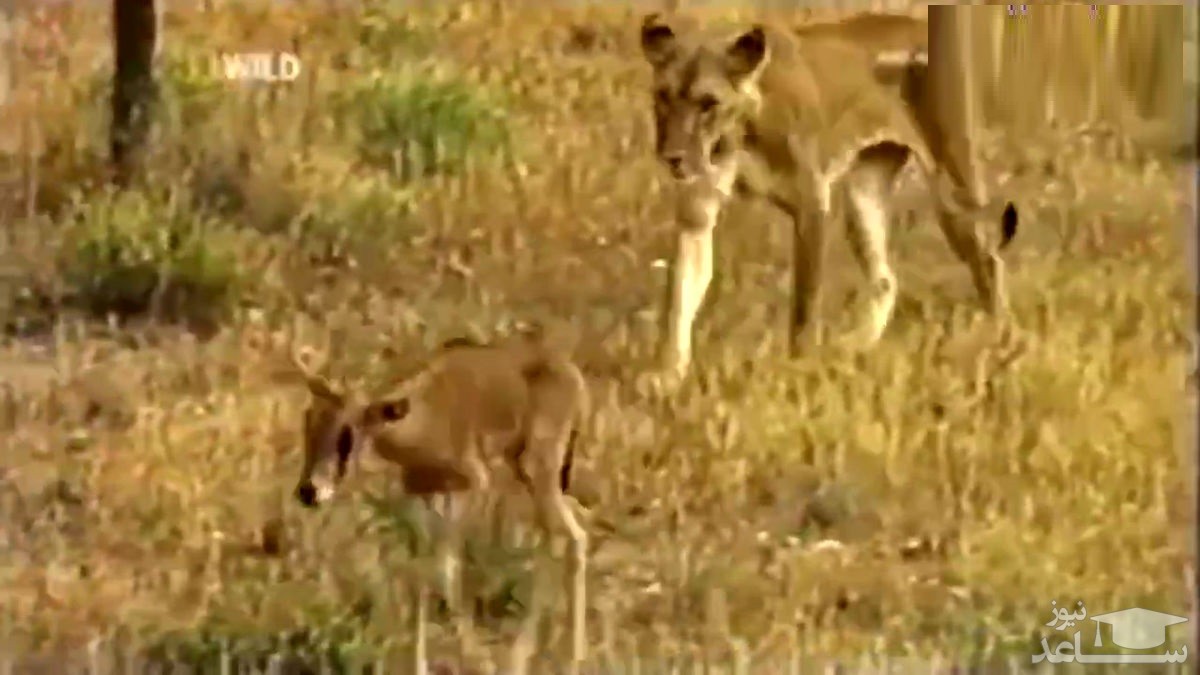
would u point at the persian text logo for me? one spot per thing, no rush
(260, 66)
(1133, 628)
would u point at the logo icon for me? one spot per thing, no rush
(1133, 628)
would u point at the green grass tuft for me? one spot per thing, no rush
(131, 252)
(417, 124)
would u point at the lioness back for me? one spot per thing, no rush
(874, 32)
(821, 104)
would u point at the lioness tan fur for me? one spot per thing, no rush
(874, 32)
(472, 408)
(899, 44)
(795, 117)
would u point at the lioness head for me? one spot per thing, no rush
(702, 92)
(335, 427)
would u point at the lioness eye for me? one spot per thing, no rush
(707, 103)
(662, 97)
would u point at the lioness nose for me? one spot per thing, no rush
(306, 494)
(674, 161)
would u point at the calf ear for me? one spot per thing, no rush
(386, 411)
(658, 40)
(318, 386)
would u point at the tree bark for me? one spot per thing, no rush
(135, 41)
(949, 94)
(10, 132)
(6, 50)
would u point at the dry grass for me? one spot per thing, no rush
(968, 482)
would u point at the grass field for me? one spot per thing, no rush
(452, 171)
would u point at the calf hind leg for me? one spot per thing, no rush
(542, 465)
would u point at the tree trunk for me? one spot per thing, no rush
(12, 132)
(7, 38)
(135, 41)
(1191, 81)
(949, 94)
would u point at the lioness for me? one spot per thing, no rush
(472, 408)
(791, 116)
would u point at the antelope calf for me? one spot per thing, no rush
(470, 409)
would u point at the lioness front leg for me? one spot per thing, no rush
(697, 212)
(808, 261)
(809, 216)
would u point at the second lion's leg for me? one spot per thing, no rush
(972, 247)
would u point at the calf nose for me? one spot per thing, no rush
(674, 162)
(306, 494)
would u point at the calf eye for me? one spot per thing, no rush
(394, 411)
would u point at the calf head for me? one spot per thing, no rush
(336, 426)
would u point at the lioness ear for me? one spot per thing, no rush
(658, 40)
(747, 55)
(382, 412)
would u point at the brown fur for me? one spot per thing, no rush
(873, 32)
(473, 407)
(485, 396)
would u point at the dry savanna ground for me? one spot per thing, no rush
(442, 172)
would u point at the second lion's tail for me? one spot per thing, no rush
(1008, 225)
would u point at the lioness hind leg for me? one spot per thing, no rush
(869, 186)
